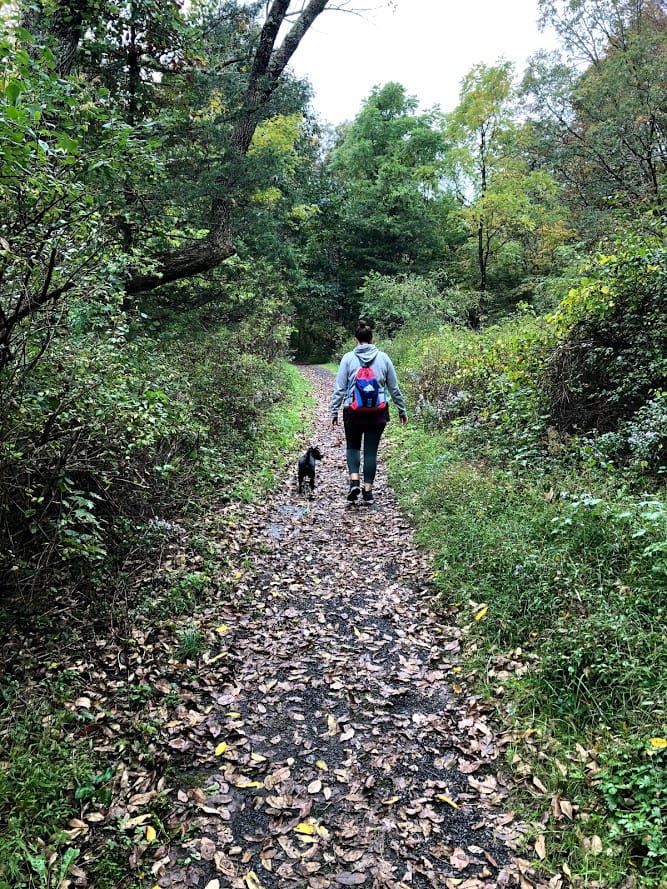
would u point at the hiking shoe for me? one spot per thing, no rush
(367, 497)
(355, 490)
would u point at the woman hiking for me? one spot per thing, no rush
(363, 379)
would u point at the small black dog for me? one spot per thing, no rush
(307, 467)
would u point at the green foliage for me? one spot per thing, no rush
(633, 785)
(392, 303)
(62, 146)
(612, 360)
(599, 113)
(392, 212)
(511, 213)
(548, 557)
(41, 771)
(116, 428)
(487, 378)
(51, 874)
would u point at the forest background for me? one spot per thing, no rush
(175, 224)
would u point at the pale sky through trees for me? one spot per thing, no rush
(426, 45)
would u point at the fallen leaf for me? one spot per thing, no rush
(207, 849)
(150, 834)
(658, 743)
(220, 749)
(459, 860)
(539, 785)
(315, 786)
(541, 847)
(252, 881)
(481, 613)
(346, 878)
(446, 799)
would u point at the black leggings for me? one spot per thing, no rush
(371, 439)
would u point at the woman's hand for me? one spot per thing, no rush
(334, 422)
(404, 419)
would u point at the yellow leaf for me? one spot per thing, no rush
(220, 749)
(322, 832)
(390, 800)
(150, 834)
(457, 688)
(322, 765)
(482, 611)
(233, 714)
(222, 629)
(658, 743)
(137, 820)
(358, 633)
(217, 657)
(257, 757)
(252, 881)
(304, 827)
(446, 799)
(244, 784)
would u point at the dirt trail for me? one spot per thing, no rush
(341, 750)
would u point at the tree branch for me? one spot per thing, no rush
(268, 66)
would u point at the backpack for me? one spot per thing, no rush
(367, 394)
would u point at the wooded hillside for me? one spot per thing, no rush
(177, 227)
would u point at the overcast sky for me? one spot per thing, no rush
(426, 45)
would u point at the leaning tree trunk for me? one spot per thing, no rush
(268, 65)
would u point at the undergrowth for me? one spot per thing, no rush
(238, 438)
(555, 562)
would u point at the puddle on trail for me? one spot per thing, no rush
(285, 522)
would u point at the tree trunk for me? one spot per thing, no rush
(268, 65)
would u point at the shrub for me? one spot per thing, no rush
(612, 359)
(109, 431)
(392, 303)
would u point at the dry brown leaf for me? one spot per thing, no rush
(346, 878)
(458, 859)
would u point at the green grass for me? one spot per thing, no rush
(571, 568)
(42, 772)
(278, 440)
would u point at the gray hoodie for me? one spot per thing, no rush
(384, 371)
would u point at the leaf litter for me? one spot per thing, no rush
(326, 737)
